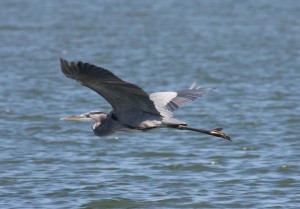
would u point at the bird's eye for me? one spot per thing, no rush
(88, 115)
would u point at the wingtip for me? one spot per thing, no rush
(65, 67)
(70, 69)
(63, 62)
(195, 86)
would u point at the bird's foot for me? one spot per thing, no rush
(217, 132)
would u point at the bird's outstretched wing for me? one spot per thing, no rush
(168, 102)
(130, 103)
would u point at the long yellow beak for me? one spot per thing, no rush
(77, 118)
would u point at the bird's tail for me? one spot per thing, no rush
(215, 132)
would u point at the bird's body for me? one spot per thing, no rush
(108, 125)
(133, 108)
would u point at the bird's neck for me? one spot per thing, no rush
(101, 118)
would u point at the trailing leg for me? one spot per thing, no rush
(215, 132)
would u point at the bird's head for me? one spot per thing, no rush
(89, 116)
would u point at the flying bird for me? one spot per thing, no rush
(132, 107)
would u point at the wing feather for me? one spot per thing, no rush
(129, 101)
(168, 102)
(185, 96)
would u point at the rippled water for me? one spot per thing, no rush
(248, 50)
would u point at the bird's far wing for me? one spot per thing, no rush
(129, 101)
(168, 102)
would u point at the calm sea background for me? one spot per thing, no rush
(248, 50)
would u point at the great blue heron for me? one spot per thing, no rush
(132, 107)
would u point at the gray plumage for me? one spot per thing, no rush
(168, 102)
(132, 107)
